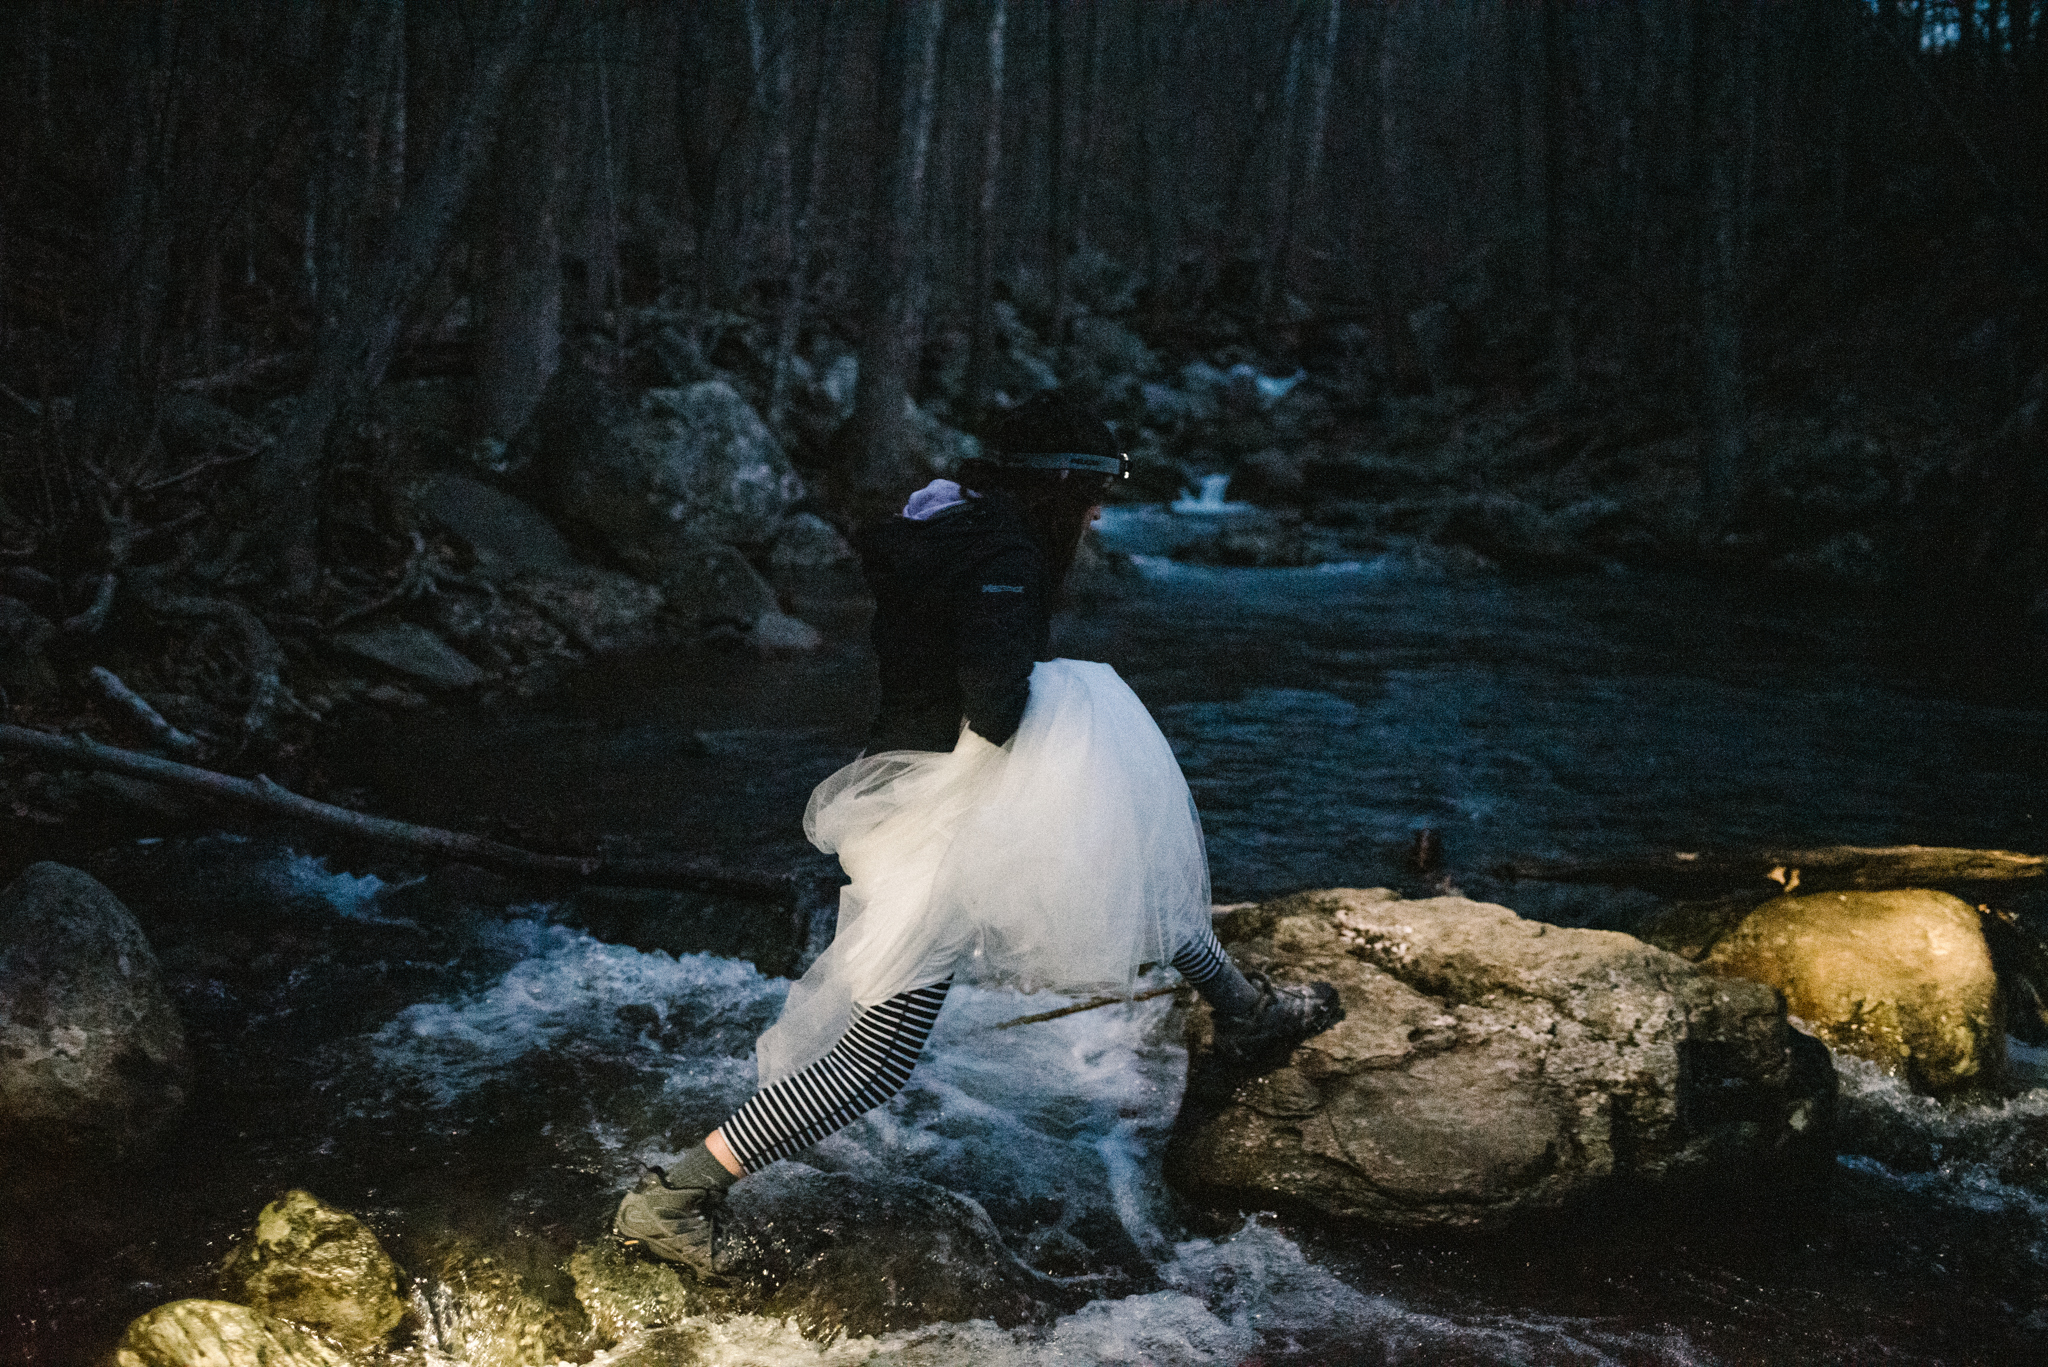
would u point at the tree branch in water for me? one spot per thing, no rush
(1829, 868)
(641, 871)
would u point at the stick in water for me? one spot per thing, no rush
(1090, 1005)
(645, 871)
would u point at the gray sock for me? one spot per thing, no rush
(1230, 993)
(698, 1169)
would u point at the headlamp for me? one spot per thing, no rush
(1117, 466)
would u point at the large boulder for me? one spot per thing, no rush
(695, 461)
(317, 1266)
(92, 1054)
(600, 610)
(1902, 978)
(508, 535)
(1491, 1069)
(221, 1334)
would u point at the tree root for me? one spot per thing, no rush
(265, 660)
(167, 735)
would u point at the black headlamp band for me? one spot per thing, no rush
(1119, 465)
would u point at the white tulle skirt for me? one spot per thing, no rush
(1067, 857)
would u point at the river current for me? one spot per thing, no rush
(471, 1071)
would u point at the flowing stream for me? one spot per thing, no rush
(469, 1071)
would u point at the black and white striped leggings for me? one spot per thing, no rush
(873, 1060)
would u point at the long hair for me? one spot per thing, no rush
(1054, 503)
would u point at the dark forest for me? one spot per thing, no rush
(425, 422)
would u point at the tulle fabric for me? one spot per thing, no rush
(1067, 857)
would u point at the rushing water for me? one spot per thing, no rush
(469, 1071)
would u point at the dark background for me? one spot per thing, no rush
(1759, 285)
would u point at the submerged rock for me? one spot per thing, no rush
(219, 1334)
(318, 1266)
(1902, 978)
(836, 1254)
(1490, 1068)
(92, 1053)
(840, 1254)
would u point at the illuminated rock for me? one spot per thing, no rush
(1491, 1069)
(219, 1334)
(1902, 978)
(320, 1267)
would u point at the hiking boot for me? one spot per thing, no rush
(682, 1225)
(1287, 1014)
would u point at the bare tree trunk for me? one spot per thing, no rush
(389, 175)
(1379, 214)
(519, 290)
(830, 37)
(768, 59)
(138, 243)
(1321, 72)
(39, 69)
(889, 342)
(1556, 128)
(1280, 188)
(1717, 49)
(980, 355)
(1091, 121)
(1158, 232)
(1057, 231)
(346, 170)
(352, 360)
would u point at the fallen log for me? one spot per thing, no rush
(634, 871)
(1830, 868)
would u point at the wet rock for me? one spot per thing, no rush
(217, 1334)
(412, 650)
(600, 610)
(478, 1309)
(696, 460)
(24, 634)
(317, 1266)
(770, 937)
(92, 1053)
(1902, 978)
(1492, 1069)
(625, 1294)
(508, 535)
(840, 1254)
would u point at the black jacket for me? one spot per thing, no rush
(962, 611)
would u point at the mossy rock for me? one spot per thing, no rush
(200, 1333)
(318, 1266)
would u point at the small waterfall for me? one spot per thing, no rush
(1210, 501)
